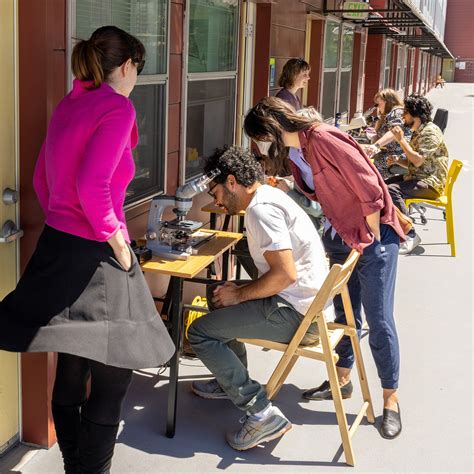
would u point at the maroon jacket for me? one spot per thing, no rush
(346, 183)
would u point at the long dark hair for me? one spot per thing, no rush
(108, 48)
(267, 120)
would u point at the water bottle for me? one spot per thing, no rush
(337, 119)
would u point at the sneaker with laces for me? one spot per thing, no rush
(409, 245)
(255, 431)
(209, 389)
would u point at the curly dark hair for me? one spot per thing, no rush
(419, 106)
(238, 162)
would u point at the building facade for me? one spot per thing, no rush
(208, 61)
(460, 41)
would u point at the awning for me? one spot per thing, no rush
(401, 21)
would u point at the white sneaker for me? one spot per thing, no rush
(409, 245)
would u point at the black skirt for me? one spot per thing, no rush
(75, 297)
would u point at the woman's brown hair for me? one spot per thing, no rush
(108, 48)
(391, 98)
(290, 70)
(267, 121)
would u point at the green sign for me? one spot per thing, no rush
(361, 13)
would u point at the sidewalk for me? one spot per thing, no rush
(434, 313)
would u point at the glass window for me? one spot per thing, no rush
(338, 50)
(210, 120)
(145, 19)
(387, 61)
(331, 44)
(347, 46)
(212, 42)
(329, 94)
(150, 151)
(344, 91)
(148, 21)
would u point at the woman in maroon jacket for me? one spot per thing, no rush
(331, 168)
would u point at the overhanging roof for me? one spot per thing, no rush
(403, 22)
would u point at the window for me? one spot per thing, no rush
(148, 21)
(211, 74)
(387, 61)
(338, 48)
(401, 68)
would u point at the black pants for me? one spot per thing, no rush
(413, 188)
(109, 386)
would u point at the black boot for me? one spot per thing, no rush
(96, 447)
(67, 421)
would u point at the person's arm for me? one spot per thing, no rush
(102, 155)
(40, 182)
(281, 275)
(416, 158)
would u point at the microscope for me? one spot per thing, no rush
(174, 239)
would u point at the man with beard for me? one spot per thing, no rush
(426, 159)
(291, 266)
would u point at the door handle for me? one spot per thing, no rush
(10, 233)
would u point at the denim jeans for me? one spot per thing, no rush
(213, 339)
(372, 285)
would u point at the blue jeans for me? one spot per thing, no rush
(372, 285)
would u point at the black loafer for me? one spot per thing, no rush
(391, 423)
(323, 392)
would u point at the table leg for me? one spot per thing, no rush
(212, 223)
(176, 285)
(225, 265)
(238, 266)
(225, 227)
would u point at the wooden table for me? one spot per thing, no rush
(181, 271)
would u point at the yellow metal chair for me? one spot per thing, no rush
(330, 334)
(445, 201)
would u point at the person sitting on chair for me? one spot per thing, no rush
(426, 159)
(292, 267)
(440, 81)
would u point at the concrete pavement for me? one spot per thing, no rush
(434, 310)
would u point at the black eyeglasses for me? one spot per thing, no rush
(213, 196)
(140, 65)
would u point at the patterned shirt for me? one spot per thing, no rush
(428, 141)
(394, 117)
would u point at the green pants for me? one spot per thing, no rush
(213, 339)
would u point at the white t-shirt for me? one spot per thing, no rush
(275, 222)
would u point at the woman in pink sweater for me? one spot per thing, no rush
(83, 294)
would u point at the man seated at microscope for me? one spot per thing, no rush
(292, 267)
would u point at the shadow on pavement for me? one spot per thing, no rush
(202, 424)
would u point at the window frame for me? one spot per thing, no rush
(149, 79)
(388, 46)
(338, 69)
(202, 76)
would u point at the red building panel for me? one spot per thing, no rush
(372, 68)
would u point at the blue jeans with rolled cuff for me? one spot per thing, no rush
(371, 286)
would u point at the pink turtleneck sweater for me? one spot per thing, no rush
(86, 163)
